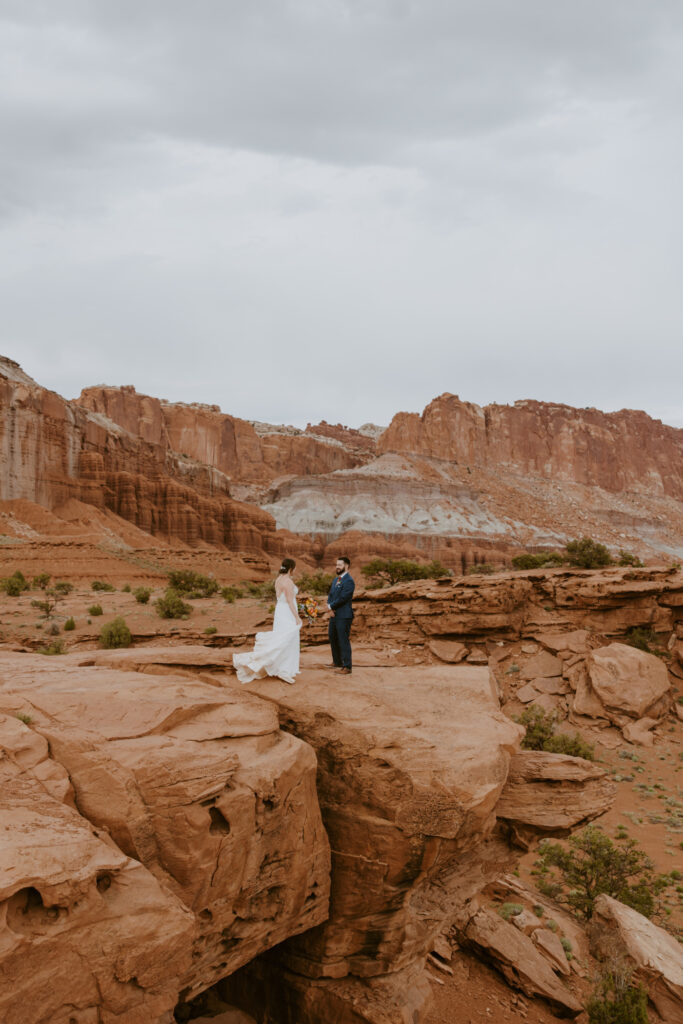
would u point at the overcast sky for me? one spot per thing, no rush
(300, 209)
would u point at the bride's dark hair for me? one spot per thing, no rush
(287, 564)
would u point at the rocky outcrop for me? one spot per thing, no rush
(552, 794)
(197, 842)
(654, 954)
(621, 451)
(629, 683)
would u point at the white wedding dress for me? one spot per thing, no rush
(276, 653)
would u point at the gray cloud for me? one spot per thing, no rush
(321, 208)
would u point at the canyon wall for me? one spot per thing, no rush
(620, 451)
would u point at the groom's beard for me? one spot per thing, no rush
(339, 572)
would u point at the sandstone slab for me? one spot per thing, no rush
(655, 955)
(448, 650)
(542, 666)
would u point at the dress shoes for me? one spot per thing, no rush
(345, 672)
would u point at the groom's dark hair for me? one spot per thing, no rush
(345, 560)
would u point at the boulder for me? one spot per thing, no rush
(542, 666)
(552, 949)
(629, 683)
(640, 732)
(518, 959)
(655, 955)
(526, 693)
(448, 650)
(551, 794)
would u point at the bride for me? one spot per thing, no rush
(276, 653)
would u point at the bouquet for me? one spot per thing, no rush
(308, 608)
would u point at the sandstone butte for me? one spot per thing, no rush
(459, 482)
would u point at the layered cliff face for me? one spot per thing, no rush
(621, 451)
(52, 450)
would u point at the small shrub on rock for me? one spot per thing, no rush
(62, 588)
(56, 647)
(317, 583)
(389, 571)
(23, 717)
(588, 554)
(192, 584)
(95, 609)
(47, 605)
(641, 637)
(483, 569)
(142, 594)
(540, 735)
(590, 864)
(100, 585)
(210, 630)
(69, 624)
(115, 634)
(615, 999)
(540, 560)
(126, 588)
(231, 594)
(628, 558)
(172, 606)
(41, 581)
(508, 910)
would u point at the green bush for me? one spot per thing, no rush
(41, 581)
(47, 605)
(115, 634)
(62, 588)
(126, 588)
(95, 609)
(588, 553)
(388, 571)
(23, 717)
(56, 647)
(15, 584)
(142, 594)
(192, 584)
(508, 910)
(317, 583)
(540, 735)
(641, 637)
(615, 999)
(264, 591)
(231, 594)
(99, 585)
(482, 569)
(590, 864)
(541, 560)
(69, 624)
(628, 558)
(172, 606)
(210, 630)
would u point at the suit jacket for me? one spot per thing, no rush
(341, 595)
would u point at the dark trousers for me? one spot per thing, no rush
(338, 632)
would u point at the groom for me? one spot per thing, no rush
(341, 615)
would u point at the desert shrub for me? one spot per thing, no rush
(115, 634)
(142, 594)
(588, 553)
(172, 606)
(41, 581)
(508, 910)
(540, 735)
(192, 584)
(641, 637)
(231, 594)
(567, 947)
(62, 588)
(615, 999)
(628, 558)
(590, 864)
(210, 630)
(264, 591)
(15, 584)
(70, 623)
(317, 583)
(100, 585)
(388, 571)
(95, 609)
(47, 604)
(126, 588)
(56, 647)
(483, 569)
(23, 717)
(540, 560)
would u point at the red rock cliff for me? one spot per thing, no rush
(620, 451)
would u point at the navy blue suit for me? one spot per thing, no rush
(339, 599)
